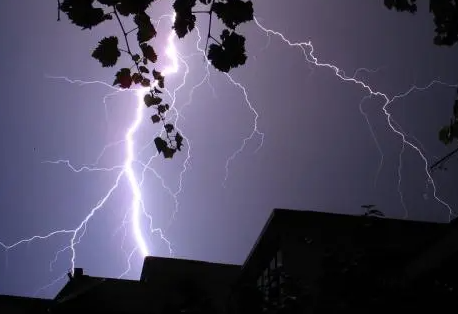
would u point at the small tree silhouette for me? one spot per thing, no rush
(224, 54)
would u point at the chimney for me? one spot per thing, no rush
(77, 273)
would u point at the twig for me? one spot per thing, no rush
(132, 30)
(210, 12)
(443, 159)
(203, 12)
(58, 10)
(216, 40)
(123, 31)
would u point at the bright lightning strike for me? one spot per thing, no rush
(125, 171)
(308, 52)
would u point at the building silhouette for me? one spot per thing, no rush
(302, 262)
(322, 262)
(15, 304)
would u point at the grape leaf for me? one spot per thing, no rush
(126, 7)
(143, 69)
(148, 52)
(163, 108)
(234, 12)
(185, 21)
(151, 100)
(162, 147)
(230, 54)
(169, 128)
(146, 82)
(123, 78)
(146, 30)
(159, 78)
(82, 13)
(107, 51)
(155, 118)
(137, 78)
(179, 141)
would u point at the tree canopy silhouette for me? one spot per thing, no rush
(224, 54)
(445, 16)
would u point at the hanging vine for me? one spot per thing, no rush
(225, 53)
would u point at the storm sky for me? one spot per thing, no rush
(318, 151)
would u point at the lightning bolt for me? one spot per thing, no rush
(135, 213)
(125, 171)
(308, 52)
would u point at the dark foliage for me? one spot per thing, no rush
(402, 5)
(185, 21)
(224, 55)
(234, 12)
(146, 30)
(83, 13)
(230, 53)
(107, 51)
(445, 15)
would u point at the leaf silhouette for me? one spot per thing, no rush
(82, 13)
(137, 78)
(230, 54)
(146, 82)
(136, 58)
(168, 152)
(159, 78)
(161, 146)
(126, 7)
(151, 100)
(445, 18)
(179, 141)
(205, 1)
(143, 69)
(155, 118)
(445, 135)
(163, 108)
(107, 51)
(148, 53)
(169, 128)
(402, 5)
(234, 12)
(146, 30)
(123, 78)
(185, 21)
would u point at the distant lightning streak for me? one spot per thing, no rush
(308, 52)
(374, 137)
(255, 131)
(401, 195)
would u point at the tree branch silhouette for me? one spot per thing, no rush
(223, 55)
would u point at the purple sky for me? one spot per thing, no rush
(318, 152)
